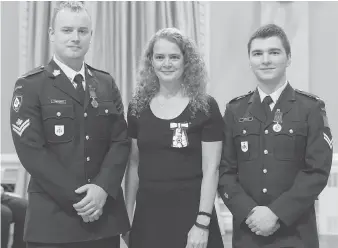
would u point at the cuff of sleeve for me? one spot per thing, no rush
(277, 209)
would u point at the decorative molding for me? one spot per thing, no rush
(204, 36)
(9, 158)
(23, 36)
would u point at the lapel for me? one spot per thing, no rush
(61, 81)
(91, 81)
(256, 107)
(285, 103)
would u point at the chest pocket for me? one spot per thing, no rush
(247, 137)
(290, 142)
(106, 115)
(58, 122)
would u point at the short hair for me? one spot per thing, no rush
(74, 6)
(271, 30)
(194, 76)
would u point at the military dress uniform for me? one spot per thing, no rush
(280, 160)
(64, 144)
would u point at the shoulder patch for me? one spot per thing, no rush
(240, 97)
(33, 72)
(94, 69)
(304, 93)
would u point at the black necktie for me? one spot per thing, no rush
(266, 102)
(78, 79)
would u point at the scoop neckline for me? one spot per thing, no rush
(185, 109)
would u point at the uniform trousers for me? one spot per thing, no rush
(112, 242)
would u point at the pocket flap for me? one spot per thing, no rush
(107, 108)
(245, 130)
(293, 128)
(57, 111)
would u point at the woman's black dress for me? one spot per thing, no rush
(170, 175)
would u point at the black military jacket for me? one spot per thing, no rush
(284, 168)
(64, 144)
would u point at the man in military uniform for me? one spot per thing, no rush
(70, 134)
(277, 153)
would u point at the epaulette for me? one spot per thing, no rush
(33, 72)
(94, 69)
(308, 94)
(240, 97)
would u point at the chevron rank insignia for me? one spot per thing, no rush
(328, 140)
(20, 126)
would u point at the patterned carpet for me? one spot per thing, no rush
(325, 241)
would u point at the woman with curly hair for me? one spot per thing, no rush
(176, 131)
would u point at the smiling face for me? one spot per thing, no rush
(268, 59)
(71, 35)
(168, 61)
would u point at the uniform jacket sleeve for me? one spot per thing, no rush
(29, 141)
(115, 162)
(313, 178)
(235, 198)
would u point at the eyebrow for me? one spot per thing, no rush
(270, 49)
(168, 54)
(75, 27)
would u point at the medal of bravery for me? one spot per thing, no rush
(180, 137)
(277, 127)
(93, 96)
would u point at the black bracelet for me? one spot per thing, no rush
(204, 213)
(201, 226)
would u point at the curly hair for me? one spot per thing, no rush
(194, 75)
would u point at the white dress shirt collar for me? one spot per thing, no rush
(274, 95)
(70, 73)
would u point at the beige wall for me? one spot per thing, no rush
(9, 67)
(323, 43)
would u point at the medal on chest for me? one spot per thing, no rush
(278, 119)
(180, 137)
(92, 95)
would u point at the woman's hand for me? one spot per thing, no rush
(197, 237)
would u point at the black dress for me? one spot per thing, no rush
(170, 176)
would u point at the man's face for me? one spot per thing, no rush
(168, 61)
(268, 59)
(71, 34)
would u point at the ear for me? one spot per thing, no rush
(288, 63)
(51, 33)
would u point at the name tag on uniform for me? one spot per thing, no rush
(58, 101)
(59, 130)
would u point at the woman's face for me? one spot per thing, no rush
(168, 61)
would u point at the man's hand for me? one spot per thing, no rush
(90, 207)
(93, 217)
(262, 221)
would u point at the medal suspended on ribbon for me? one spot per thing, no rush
(92, 95)
(278, 119)
(180, 137)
